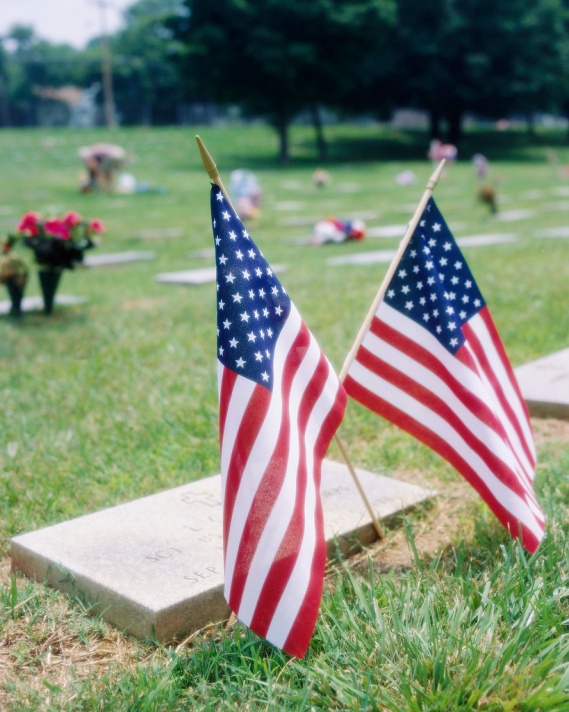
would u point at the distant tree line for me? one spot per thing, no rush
(278, 60)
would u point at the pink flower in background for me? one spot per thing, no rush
(29, 223)
(57, 228)
(57, 242)
(97, 226)
(72, 218)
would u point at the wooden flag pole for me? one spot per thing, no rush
(376, 525)
(213, 173)
(433, 180)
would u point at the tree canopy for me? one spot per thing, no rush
(280, 60)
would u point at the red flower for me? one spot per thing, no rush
(29, 223)
(56, 227)
(97, 226)
(72, 218)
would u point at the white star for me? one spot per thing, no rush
(244, 317)
(233, 343)
(240, 363)
(258, 272)
(221, 350)
(454, 342)
(217, 241)
(246, 274)
(239, 255)
(226, 324)
(278, 311)
(269, 334)
(408, 305)
(245, 234)
(436, 227)
(405, 289)
(232, 236)
(275, 291)
(219, 196)
(230, 277)
(458, 265)
(237, 298)
(259, 356)
(251, 336)
(221, 304)
(391, 293)
(251, 254)
(226, 215)
(265, 376)
(222, 259)
(402, 273)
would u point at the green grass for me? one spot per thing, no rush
(114, 399)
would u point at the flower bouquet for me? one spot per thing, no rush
(57, 244)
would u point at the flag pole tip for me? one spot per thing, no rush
(207, 160)
(434, 179)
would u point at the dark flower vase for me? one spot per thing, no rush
(16, 293)
(49, 281)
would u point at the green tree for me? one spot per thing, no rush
(145, 72)
(275, 59)
(481, 56)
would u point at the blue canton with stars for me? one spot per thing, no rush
(433, 284)
(252, 305)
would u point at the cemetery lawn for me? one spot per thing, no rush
(116, 398)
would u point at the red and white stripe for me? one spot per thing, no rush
(466, 407)
(272, 447)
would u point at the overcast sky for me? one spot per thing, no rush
(72, 21)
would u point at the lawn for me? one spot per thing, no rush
(116, 398)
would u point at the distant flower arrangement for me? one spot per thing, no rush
(57, 243)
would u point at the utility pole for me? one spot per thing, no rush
(106, 68)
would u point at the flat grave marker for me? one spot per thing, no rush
(513, 215)
(204, 275)
(31, 304)
(562, 231)
(116, 258)
(159, 233)
(545, 385)
(154, 567)
(488, 239)
(382, 256)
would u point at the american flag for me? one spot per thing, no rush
(280, 404)
(432, 363)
